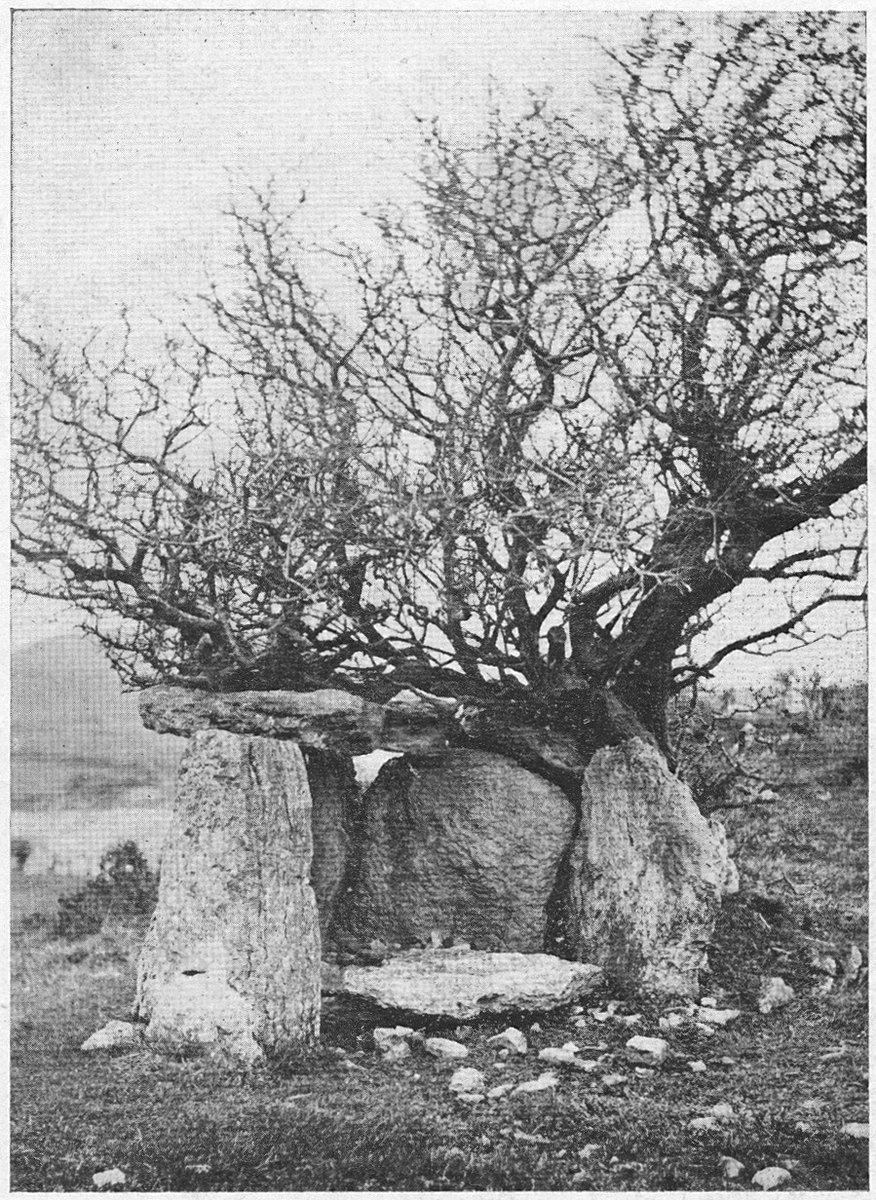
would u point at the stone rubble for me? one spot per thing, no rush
(547, 1081)
(466, 1081)
(445, 1048)
(774, 993)
(510, 1039)
(654, 1049)
(771, 1178)
(111, 1178)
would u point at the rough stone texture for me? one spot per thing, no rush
(465, 842)
(113, 1035)
(335, 796)
(465, 983)
(647, 873)
(232, 952)
(323, 720)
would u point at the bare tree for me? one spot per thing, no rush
(590, 384)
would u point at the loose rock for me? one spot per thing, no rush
(112, 1035)
(557, 1056)
(697, 1066)
(703, 1124)
(500, 1090)
(384, 1038)
(856, 1129)
(510, 1039)
(654, 1049)
(718, 1016)
(771, 1178)
(853, 963)
(467, 1080)
(613, 1082)
(774, 993)
(444, 1048)
(545, 1083)
(731, 1168)
(111, 1178)
(724, 1112)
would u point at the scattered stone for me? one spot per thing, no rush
(557, 1056)
(114, 1034)
(599, 1014)
(545, 1083)
(771, 1178)
(534, 1139)
(825, 963)
(706, 1030)
(503, 1055)
(655, 1049)
(790, 1164)
(471, 1097)
(510, 1039)
(724, 1112)
(613, 1082)
(535, 1027)
(111, 1178)
(731, 1168)
(467, 1080)
(445, 1048)
(774, 993)
(703, 1124)
(697, 1066)
(577, 1009)
(718, 1016)
(834, 1052)
(727, 1061)
(708, 1002)
(500, 1066)
(589, 1150)
(856, 1129)
(500, 1090)
(571, 1046)
(645, 1072)
(814, 1104)
(635, 1019)
(397, 1052)
(803, 1127)
(853, 963)
(384, 1038)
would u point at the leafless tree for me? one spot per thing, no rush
(587, 386)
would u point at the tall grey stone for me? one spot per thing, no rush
(464, 842)
(648, 872)
(233, 950)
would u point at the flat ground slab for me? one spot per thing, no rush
(464, 983)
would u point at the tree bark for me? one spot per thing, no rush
(233, 950)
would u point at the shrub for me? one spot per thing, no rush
(124, 888)
(21, 851)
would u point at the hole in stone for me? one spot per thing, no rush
(194, 971)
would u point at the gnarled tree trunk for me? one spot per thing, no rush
(233, 950)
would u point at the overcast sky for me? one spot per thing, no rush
(133, 131)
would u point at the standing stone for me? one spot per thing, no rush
(232, 953)
(648, 872)
(335, 795)
(465, 843)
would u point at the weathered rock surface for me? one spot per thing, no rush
(445, 1048)
(774, 993)
(232, 952)
(647, 873)
(465, 842)
(464, 983)
(113, 1035)
(771, 1178)
(335, 805)
(328, 719)
(467, 1080)
(510, 1039)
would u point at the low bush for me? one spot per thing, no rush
(124, 888)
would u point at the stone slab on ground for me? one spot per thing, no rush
(463, 983)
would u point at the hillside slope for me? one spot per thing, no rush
(77, 740)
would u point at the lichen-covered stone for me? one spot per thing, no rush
(465, 843)
(233, 949)
(647, 873)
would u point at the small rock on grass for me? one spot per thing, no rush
(856, 1129)
(440, 1047)
(111, 1178)
(724, 1112)
(771, 1178)
(654, 1049)
(731, 1168)
(774, 993)
(853, 963)
(718, 1016)
(500, 1090)
(544, 1083)
(589, 1150)
(511, 1040)
(467, 1080)
(384, 1037)
(557, 1055)
(697, 1066)
(702, 1124)
(613, 1082)
(114, 1034)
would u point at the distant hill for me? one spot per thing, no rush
(77, 739)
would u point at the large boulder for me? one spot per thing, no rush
(464, 983)
(232, 953)
(647, 872)
(464, 842)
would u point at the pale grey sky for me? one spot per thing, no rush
(132, 130)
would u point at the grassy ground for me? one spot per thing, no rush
(341, 1119)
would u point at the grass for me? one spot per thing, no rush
(338, 1118)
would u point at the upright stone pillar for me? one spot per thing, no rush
(233, 951)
